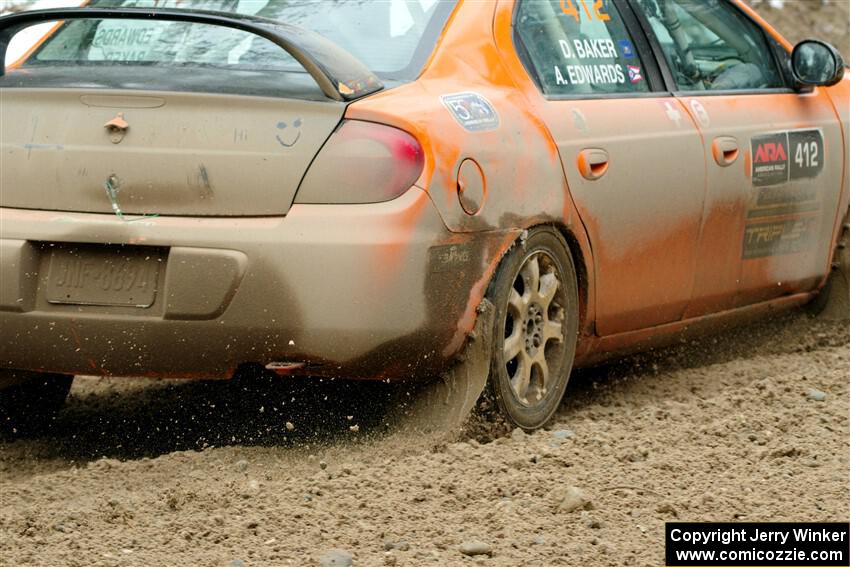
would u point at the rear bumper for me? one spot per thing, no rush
(362, 291)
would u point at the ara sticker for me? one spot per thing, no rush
(472, 111)
(770, 159)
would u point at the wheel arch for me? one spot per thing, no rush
(579, 249)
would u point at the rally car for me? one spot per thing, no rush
(341, 188)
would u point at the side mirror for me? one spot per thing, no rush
(816, 63)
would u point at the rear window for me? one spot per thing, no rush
(391, 37)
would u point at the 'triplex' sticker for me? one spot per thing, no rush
(472, 111)
(778, 238)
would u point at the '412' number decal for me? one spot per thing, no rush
(569, 8)
(807, 155)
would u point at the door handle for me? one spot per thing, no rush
(592, 163)
(725, 150)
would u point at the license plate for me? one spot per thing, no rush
(91, 275)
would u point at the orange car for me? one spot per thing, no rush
(339, 190)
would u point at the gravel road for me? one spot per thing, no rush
(751, 425)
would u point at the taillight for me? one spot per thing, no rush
(362, 162)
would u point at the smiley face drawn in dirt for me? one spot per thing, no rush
(290, 138)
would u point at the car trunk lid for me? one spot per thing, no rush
(180, 154)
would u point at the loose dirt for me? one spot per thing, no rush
(171, 473)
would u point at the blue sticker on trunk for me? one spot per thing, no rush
(472, 111)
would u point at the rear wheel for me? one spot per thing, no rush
(29, 401)
(535, 293)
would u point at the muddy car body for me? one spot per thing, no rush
(185, 221)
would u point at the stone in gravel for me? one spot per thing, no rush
(237, 563)
(667, 508)
(289, 426)
(400, 545)
(518, 435)
(242, 465)
(593, 523)
(569, 499)
(590, 521)
(323, 465)
(473, 548)
(104, 464)
(563, 434)
(785, 451)
(816, 395)
(336, 558)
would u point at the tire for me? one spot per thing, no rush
(29, 401)
(535, 293)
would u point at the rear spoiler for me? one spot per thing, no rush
(340, 75)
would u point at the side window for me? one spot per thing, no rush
(579, 47)
(709, 45)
